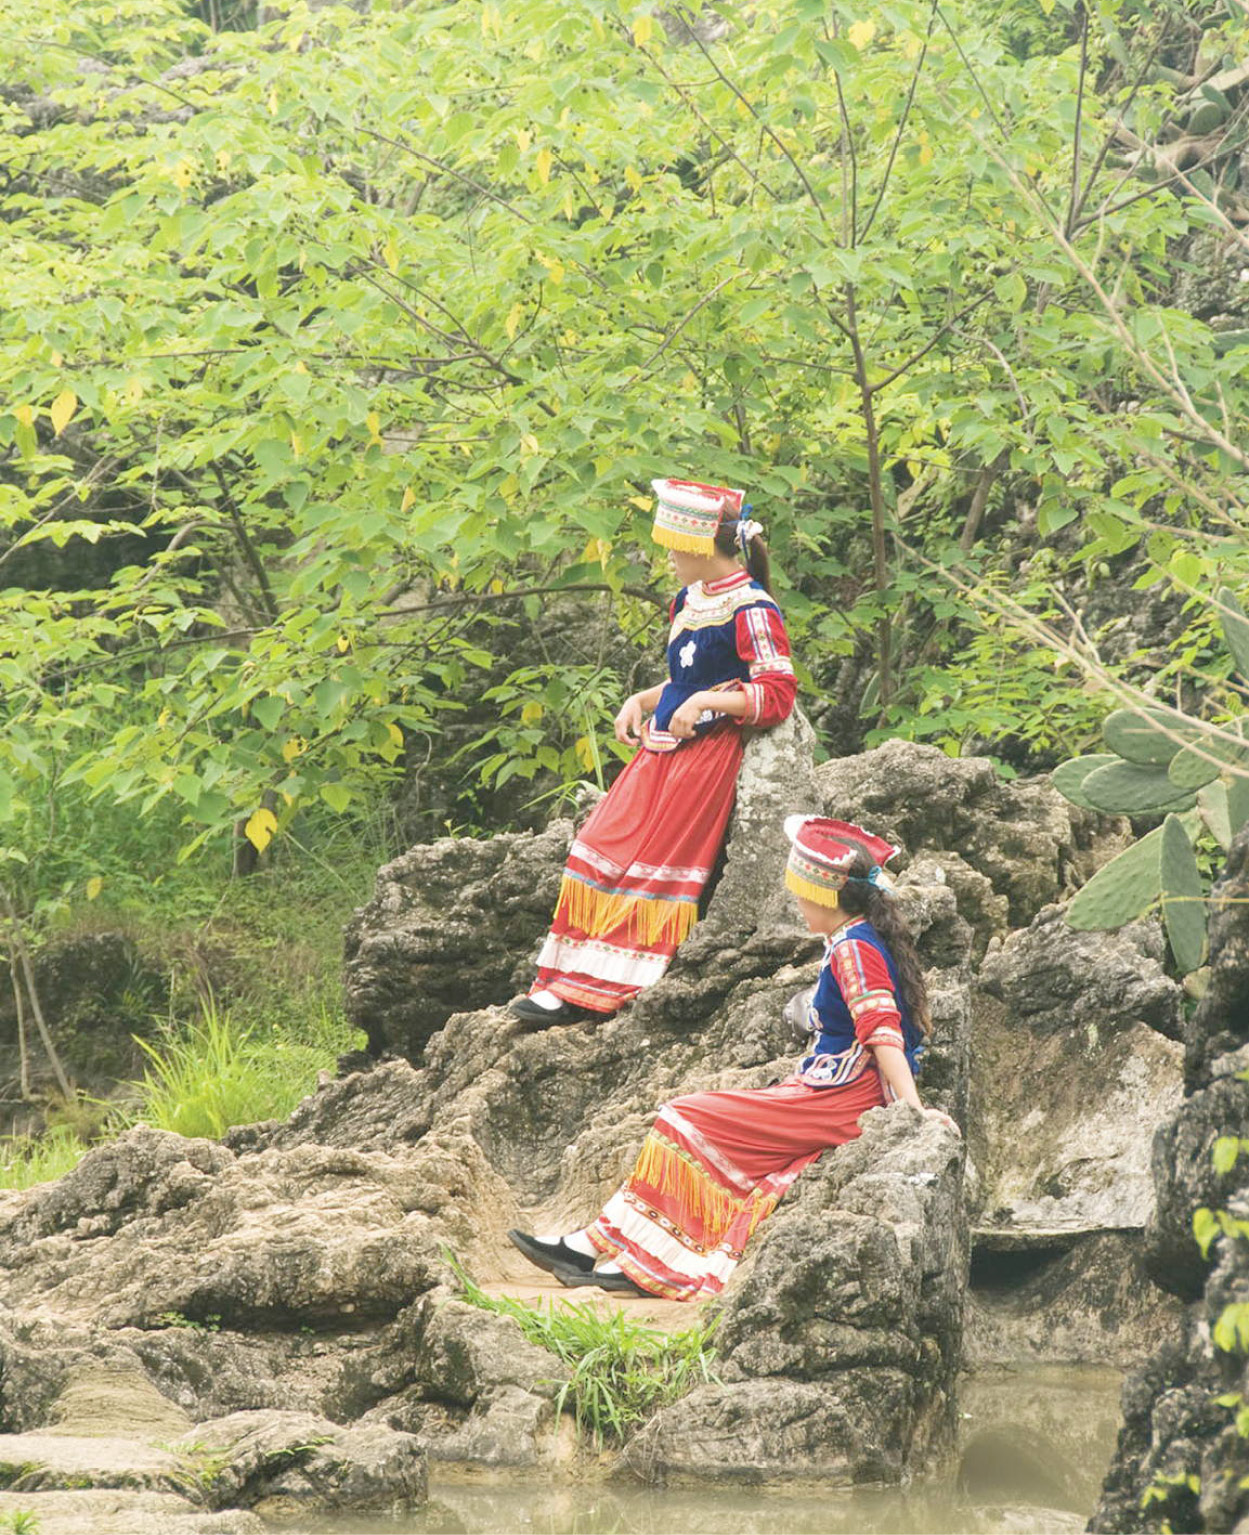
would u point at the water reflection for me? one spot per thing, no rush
(1033, 1448)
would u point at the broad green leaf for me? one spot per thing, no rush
(1068, 777)
(1183, 897)
(1130, 788)
(1121, 890)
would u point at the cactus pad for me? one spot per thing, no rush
(1068, 777)
(1183, 896)
(1145, 735)
(1133, 788)
(1235, 628)
(1122, 889)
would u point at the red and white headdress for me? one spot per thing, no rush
(688, 513)
(822, 850)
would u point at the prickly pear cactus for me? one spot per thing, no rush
(1161, 761)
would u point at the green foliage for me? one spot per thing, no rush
(322, 335)
(621, 1372)
(20, 1521)
(1163, 760)
(27, 1160)
(203, 1078)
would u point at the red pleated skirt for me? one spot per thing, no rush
(714, 1165)
(636, 871)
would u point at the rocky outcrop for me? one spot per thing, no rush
(1022, 839)
(1181, 1462)
(305, 1271)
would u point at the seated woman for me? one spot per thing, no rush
(640, 863)
(715, 1164)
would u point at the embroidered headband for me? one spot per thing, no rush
(821, 850)
(688, 514)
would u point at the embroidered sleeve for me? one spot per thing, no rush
(863, 978)
(763, 644)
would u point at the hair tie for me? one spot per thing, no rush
(746, 529)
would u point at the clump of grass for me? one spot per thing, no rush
(202, 1078)
(622, 1372)
(20, 1522)
(29, 1159)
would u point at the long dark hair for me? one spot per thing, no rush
(756, 552)
(884, 912)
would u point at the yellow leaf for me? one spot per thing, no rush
(135, 387)
(56, 359)
(223, 159)
(643, 503)
(554, 269)
(301, 366)
(344, 644)
(861, 33)
(570, 205)
(63, 408)
(512, 324)
(523, 140)
(584, 749)
(396, 735)
(374, 423)
(544, 163)
(182, 175)
(390, 254)
(529, 442)
(643, 30)
(261, 825)
(297, 444)
(634, 178)
(94, 885)
(532, 712)
(296, 42)
(292, 748)
(508, 487)
(25, 415)
(409, 500)
(273, 102)
(496, 586)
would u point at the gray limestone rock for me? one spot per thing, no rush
(1071, 1073)
(451, 927)
(101, 1512)
(1022, 836)
(282, 1461)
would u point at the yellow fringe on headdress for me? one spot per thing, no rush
(822, 895)
(675, 1174)
(689, 543)
(650, 921)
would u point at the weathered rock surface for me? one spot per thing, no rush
(304, 1268)
(1179, 1441)
(450, 928)
(1074, 1064)
(1022, 837)
(125, 1513)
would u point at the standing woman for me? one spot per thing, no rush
(639, 865)
(715, 1164)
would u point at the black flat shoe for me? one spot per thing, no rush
(568, 1265)
(618, 1282)
(535, 1016)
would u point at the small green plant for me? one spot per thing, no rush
(621, 1372)
(1163, 762)
(177, 1319)
(19, 1521)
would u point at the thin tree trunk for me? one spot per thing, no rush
(18, 945)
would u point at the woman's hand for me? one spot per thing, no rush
(686, 717)
(943, 1118)
(629, 720)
